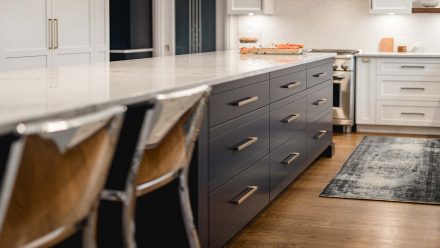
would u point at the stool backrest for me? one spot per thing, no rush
(60, 175)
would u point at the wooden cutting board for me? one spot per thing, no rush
(273, 51)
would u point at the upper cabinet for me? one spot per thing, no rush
(243, 7)
(390, 7)
(46, 33)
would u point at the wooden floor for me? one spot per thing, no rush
(300, 218)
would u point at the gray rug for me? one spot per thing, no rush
(390, 169)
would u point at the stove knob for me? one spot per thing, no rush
(344, 66)
(335, 67)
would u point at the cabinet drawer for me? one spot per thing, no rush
(228, 105)
(236, 145)
(287, 120)
(286, 163)
(408, 88)
(407, 113)
(319, 137)
(319, 99)
(408, 66)
(319, 74)
(288, 85)
(232, 206)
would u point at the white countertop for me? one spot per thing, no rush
(400, 55)
(30, 94)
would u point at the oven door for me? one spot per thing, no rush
(342, 98)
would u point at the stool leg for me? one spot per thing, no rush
(128, 220)
(90, 230)
(185, 205)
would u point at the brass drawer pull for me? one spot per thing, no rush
(243, 196)
(56, 38)
(320, 134)
(366, 60)
(291, 85)
(50, 30)
(421, 67)
(412, 88)
(292, 157)
(291, 118)
(320, 102)
(246, 101)
(422, 114)
(319, 75)
(245, 144)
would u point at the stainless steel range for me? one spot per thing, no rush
(344, 68)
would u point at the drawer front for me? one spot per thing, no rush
(408, 66)
(231, 104)
(286, 121)
(232, 206)
(288, 85)
(243, 142)
(319, 99)
(319, 74)
(406, 113)
(407, 88)
(286, 163)
(319, 137)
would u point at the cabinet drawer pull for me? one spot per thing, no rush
(319, 75)
(243, 196)
(366, 60)
(50, 30)
(421, 67)
(291, 118)
(412, 88)
(245, 144)
(56, 38)
(421, 114)
(246, 101)
(320, 102)
(291, 85)
(292, 157)
(320, 134)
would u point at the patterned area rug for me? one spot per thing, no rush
(390, 169)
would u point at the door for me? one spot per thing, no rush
(24, 32)
(73, 31)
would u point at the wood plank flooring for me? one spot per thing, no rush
(300, 218)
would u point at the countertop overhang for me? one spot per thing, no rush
(39, 93)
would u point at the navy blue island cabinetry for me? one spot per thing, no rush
(260, 134)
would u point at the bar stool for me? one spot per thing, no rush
(54, 174)
(163, 153)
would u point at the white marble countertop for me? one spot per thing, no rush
(400, 55)
(30, 94)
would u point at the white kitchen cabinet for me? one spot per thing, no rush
(366, 91)
(242, 7)
(47, 33)
(390, 6)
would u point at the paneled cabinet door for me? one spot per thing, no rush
(73, 31)
(24, 34)
(390, 6)
(366, 91)
(237, 7)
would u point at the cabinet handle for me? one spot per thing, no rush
(422, 114)
(243, 196)
(246, 101)
(366, 60)
(50, 29)
(291, 85)
(56, 43)
(245, 144)
(421, 67)
(320, 102)
(319, 75)
(412, 88)
(292, 157)
(320, 134)
(291, 118)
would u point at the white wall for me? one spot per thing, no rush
(341, 24)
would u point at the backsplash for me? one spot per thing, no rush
(341, 24)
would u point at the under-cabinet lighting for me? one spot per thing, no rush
(251, 14)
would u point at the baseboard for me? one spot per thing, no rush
(398, 129)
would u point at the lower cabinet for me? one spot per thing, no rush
(250, 152)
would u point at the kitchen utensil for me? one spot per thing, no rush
(402, 49)
(429, 3)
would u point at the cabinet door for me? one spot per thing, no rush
(102, 31)
(390, 6)
(366, 91)
(73, 31)
(250, 6)
(24, 32)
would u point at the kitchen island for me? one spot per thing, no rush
(269, 117)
